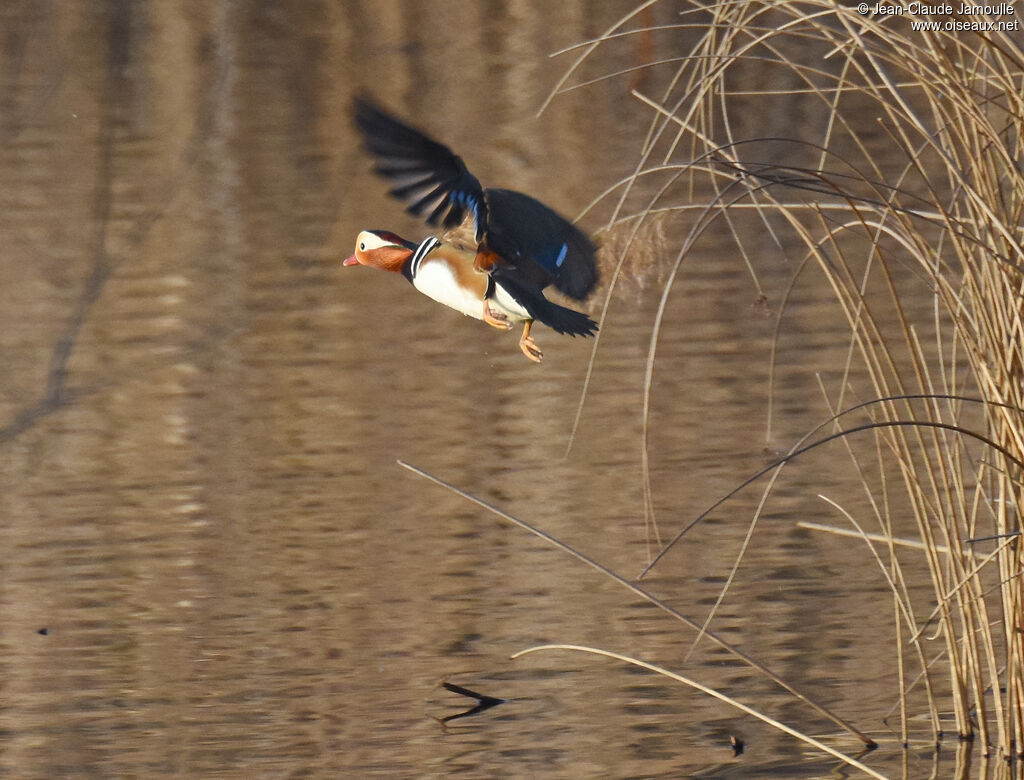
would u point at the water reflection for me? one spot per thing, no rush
(202, 417)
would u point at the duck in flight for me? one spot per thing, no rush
(498, 249)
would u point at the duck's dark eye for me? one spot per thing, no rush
(362, 246)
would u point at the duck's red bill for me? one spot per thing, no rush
(351, 261)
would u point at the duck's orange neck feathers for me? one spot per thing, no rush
(390, 258)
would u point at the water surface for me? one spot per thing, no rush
(214, 565)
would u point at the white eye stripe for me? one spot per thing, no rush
(368, 241)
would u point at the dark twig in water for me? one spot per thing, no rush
(56, 394)
(484, 702)
(993, 537)
(637, 590)
(824, 183)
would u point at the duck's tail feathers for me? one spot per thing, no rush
(558, 318)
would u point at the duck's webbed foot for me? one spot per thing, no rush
(528, 346)
(495, 319)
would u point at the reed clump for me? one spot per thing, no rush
(890, 158)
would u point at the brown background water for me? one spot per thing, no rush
(202, 413)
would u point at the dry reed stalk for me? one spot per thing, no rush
(940, 213)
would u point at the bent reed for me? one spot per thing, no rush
(938, 216)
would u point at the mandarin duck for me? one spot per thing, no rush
(499, 248)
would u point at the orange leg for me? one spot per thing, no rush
(526, 343)
(499, 321)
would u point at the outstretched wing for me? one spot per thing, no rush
(428, 175)
(545, 247)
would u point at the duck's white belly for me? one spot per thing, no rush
(436, 280)
(502, 302)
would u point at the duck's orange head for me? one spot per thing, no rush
(381, 249)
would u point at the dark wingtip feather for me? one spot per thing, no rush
(570, 322)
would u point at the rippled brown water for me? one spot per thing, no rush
(213, 565)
